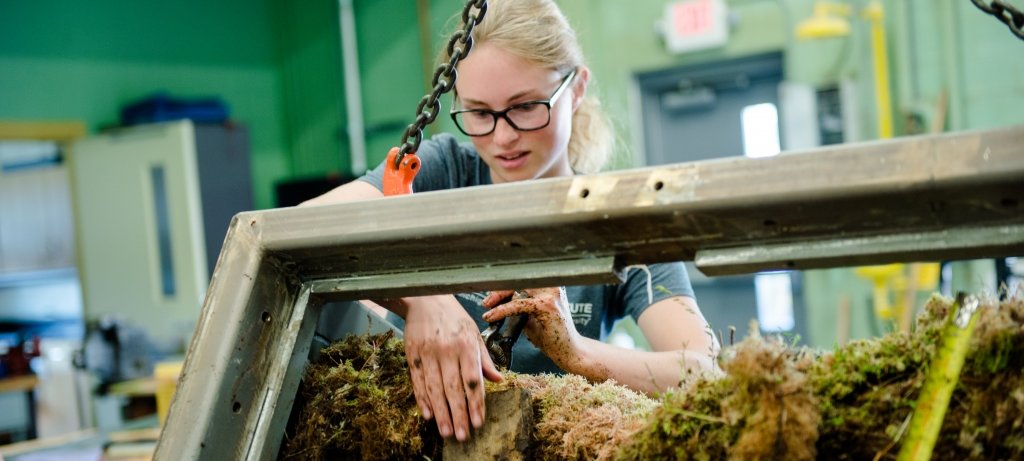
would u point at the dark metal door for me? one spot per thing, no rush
(694, 113)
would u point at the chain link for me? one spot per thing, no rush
(1005, 12)
(443, 81)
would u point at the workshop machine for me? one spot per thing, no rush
(924, 198)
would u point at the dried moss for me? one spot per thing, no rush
(579, 420)
(773, 402)
(761, 409)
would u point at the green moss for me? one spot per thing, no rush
(356, 402)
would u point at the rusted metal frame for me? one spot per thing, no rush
(250, 345)
(962, 243)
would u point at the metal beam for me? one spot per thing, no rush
(961, 243)
(249, 348)
(589, 271)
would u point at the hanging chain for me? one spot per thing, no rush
(444, 78)
(1005, 12)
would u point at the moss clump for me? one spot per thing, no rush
(575, 419)
(761, 409)
(356, 402)
(859, 398)
(869, 389)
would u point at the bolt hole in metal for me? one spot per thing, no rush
(236, 407)
(353, 258)
(265, 317)
(515, 244)
(790, 264)
(584, 193)
(770, 223)
(659, 185)
(1009, 202)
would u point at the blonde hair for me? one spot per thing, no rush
(537, 31)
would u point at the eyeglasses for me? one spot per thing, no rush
(525, 116)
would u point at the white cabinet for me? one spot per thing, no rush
(153, 205)
(36, 226)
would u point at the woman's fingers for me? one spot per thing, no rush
(419, 385)
(490, 371)
(434, 379)
(514, 307)
(455, 394)
(472, 380)
(496, 297)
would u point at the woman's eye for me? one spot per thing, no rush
(478, 115)
(527, 108)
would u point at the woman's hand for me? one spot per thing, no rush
(447, 361)
(674, 327)
(550, 326)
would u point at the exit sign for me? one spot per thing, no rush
(692, 25)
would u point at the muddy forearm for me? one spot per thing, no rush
(642, 371)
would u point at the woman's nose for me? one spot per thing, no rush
(504, 133)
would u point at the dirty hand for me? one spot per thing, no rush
(447, 361)
(550, 326)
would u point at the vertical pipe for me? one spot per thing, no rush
(904, 65)
(883, 97)
(952, 40)
(353, 96)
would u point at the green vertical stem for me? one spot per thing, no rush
(943, 376)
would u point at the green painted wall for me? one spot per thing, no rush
(311, 86)
(391, 73)
(63, 59)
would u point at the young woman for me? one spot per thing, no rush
(521, 99)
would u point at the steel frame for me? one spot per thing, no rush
(910, 199)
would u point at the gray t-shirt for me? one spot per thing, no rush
(448, 164)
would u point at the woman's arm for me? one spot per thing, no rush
(681, 341)
(352, 191)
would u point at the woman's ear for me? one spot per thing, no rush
(579, 88)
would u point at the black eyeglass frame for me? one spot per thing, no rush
(504, 113)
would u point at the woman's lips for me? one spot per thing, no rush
(512, 160)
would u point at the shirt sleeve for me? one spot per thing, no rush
(666, 280)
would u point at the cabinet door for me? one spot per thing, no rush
(139, 228)
(36, 231)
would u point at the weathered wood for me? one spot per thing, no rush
(505, 435)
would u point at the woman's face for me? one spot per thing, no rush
(491, 78)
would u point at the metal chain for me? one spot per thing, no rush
(1005, 12)
(459, 46)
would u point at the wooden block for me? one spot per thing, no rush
(505, 435)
